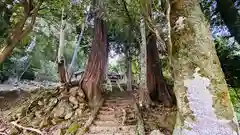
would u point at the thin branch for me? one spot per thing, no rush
(2, 133)
(29, 27)
(168, 6)
(131, 22)
(27, 128)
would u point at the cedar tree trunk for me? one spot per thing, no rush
(95, 72)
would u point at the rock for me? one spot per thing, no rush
(35, 122)
(156, 132)
(59, 112)
(82, 106)
(57, 132)
(80, 99)
(38, 114)
(40, 103)
(14, 131)
(73, 91)
(74, 101)
(80, 93)
(62, 109)
(44, 123)
(52, 102)
(68, 115)
(78, 112)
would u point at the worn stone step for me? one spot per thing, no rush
(118, 100)
(105, 112)
(108, 123)
(133, 133)
(106, 117)
(117, 104)
(101, 129)
(108, 108)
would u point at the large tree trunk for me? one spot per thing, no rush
(155, 80)
(230, 16)
(204, 106)
(95, 72)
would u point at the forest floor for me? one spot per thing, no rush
(52, 110)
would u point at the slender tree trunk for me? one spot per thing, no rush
(204, 106)
(230, 16)
(144, 94)
(60, 59)
(129, 73)
(95, 72)
(155, 80)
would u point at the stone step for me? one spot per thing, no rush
(108, 123)
(101, 129)
(118, 100)
(133, 133)
(106, 117)
(119, 104)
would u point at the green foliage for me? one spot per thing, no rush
(229, 56)
(235, 98)
(73, 128)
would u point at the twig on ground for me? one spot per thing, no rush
(27, 128)
(2, 133)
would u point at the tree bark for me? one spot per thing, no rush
(60, 58)
(129, 73)
(145, 100)
(95, 72)
(204, 106)
(20, 30)
(155, 80)
(230, 16)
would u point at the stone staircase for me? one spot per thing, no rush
(115, 117)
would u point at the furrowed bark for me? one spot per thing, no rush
(95, 72)
(204, 106)
(155, 80)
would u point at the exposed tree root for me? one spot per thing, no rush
(90, 120)
(140, 122)
(27, 128)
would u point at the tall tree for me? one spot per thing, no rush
(60, 58)
(95, 72)
(129, 69)
(204, 105)
(155, 80)
(145, 99)
(230, 16)
(21, 28)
